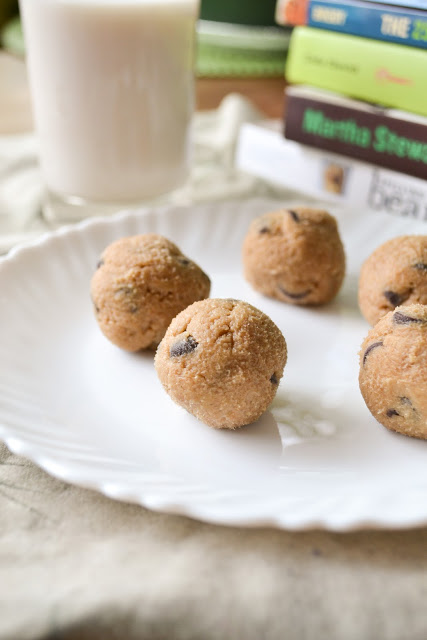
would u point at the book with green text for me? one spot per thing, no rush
(384, 137)
(381, 72)
(262, 151)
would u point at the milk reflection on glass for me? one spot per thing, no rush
(112, 89)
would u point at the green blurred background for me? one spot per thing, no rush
(255, 12)
(8, 8)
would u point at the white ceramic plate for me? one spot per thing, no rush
(98, 417)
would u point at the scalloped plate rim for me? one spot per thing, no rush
(158, 502)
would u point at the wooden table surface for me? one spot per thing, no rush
(267, 94)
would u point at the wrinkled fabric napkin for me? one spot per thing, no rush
(75, 565)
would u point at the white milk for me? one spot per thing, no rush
(112, 87)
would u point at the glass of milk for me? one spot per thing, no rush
(113, 96)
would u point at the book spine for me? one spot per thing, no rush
(370, 136)
(412, 4)
(389, 74)
(378, 22)
(296, 12)
(291, 12)
(328, 177)
(403, 26)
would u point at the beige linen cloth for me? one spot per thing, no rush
(77, 565)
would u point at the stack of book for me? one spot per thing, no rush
(356, 106)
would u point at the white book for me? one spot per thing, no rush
(264, 152)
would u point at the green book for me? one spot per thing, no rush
(390, 74)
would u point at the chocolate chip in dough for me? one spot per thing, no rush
(295, 296)
(372, 346)
(401, 318)
(295, 217)
(392, 412)
(183, 347)
(184, 261)
(395, 299)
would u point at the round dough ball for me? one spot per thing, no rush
(141, 283)
(393, 370)
(295, 256)
(222, 360)
(394, 274)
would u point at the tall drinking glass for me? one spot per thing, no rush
(113, 95)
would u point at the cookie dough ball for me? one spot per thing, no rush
(141, 283)
(393, 370)
(222, 360)
(394, 274)
(295, 256)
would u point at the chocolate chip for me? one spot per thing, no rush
(126, 290)
(295, 296)
(295, 217)
(404, 400)
(274, 379)
(421, 266)
(392, 412)
(372, 346)
(264, 230)
(128, 296)
(183, 347)
(184, 261)
(401, 318)
(99, 263)
(395, 299)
